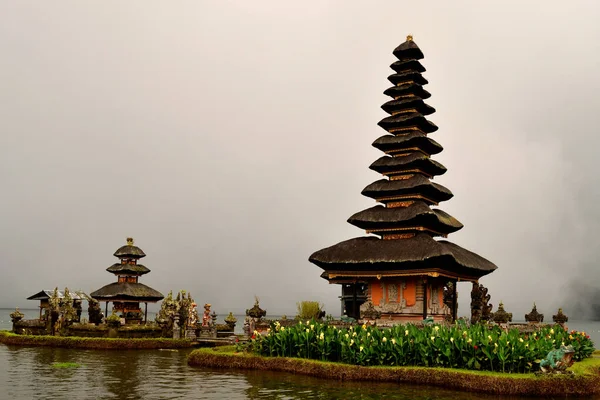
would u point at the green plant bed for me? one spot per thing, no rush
(476, 347)
(75, 342)
(585, 379)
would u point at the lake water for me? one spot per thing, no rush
(28, 373)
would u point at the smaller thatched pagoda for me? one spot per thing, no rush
(127, 293)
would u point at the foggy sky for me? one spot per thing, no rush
(232, 139)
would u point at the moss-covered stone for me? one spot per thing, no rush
(93, 342)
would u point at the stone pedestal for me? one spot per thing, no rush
(190, 333)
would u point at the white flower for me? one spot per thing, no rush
(368, 334)
(551, 331)
(406, 332)
(361, 348)
(351, 342)
(437, 328)
(353, 334)
(521, 340)
(321, 336)
(452, 339)
(347, 336)
(432, 338)
(384, 339)
(312, 327)
(470, 340)
(307, 330)
(282, 328)
(307, 322)
(393, 341)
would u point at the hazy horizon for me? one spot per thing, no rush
(232, 139)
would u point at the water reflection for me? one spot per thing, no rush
(283, 386)
(27, 373)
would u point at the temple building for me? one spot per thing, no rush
(401, 271)
(127, 293)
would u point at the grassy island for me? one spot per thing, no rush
(481, 357)
(585, 379)
(74, 342)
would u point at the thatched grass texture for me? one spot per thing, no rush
(584, 381)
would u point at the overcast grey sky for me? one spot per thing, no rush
(232, 139)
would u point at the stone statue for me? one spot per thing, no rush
(78, 309)
(480, 309)
(560, 318)
(501, 316)
(206, 319)
(476, 297)
(193, 315)
(534, 316)
(369, 312)
(230, 321)
(449, 295)
(16, 316)
(558, 360)
(486, 308)
(54, 312)
(256, 311)
(67, 310)
(94, 311)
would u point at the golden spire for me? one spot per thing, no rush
(129, 241)
(409, 38)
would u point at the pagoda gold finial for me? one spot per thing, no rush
(129, 241)
(409, 38)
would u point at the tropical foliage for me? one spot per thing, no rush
(309, 310)
(478, 347)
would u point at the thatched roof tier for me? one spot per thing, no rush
(129, 251)
(418, 215)
(369, 255)
(407, 77)
(403, 121)
(411, 162)
(415, 187)
(413, 139)
(128, 269)
(408, 103)
(408, 89)
(407, 65)
(408, 51)
(126, 291)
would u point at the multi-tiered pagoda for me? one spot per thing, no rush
(403, 272)
(127, 293)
